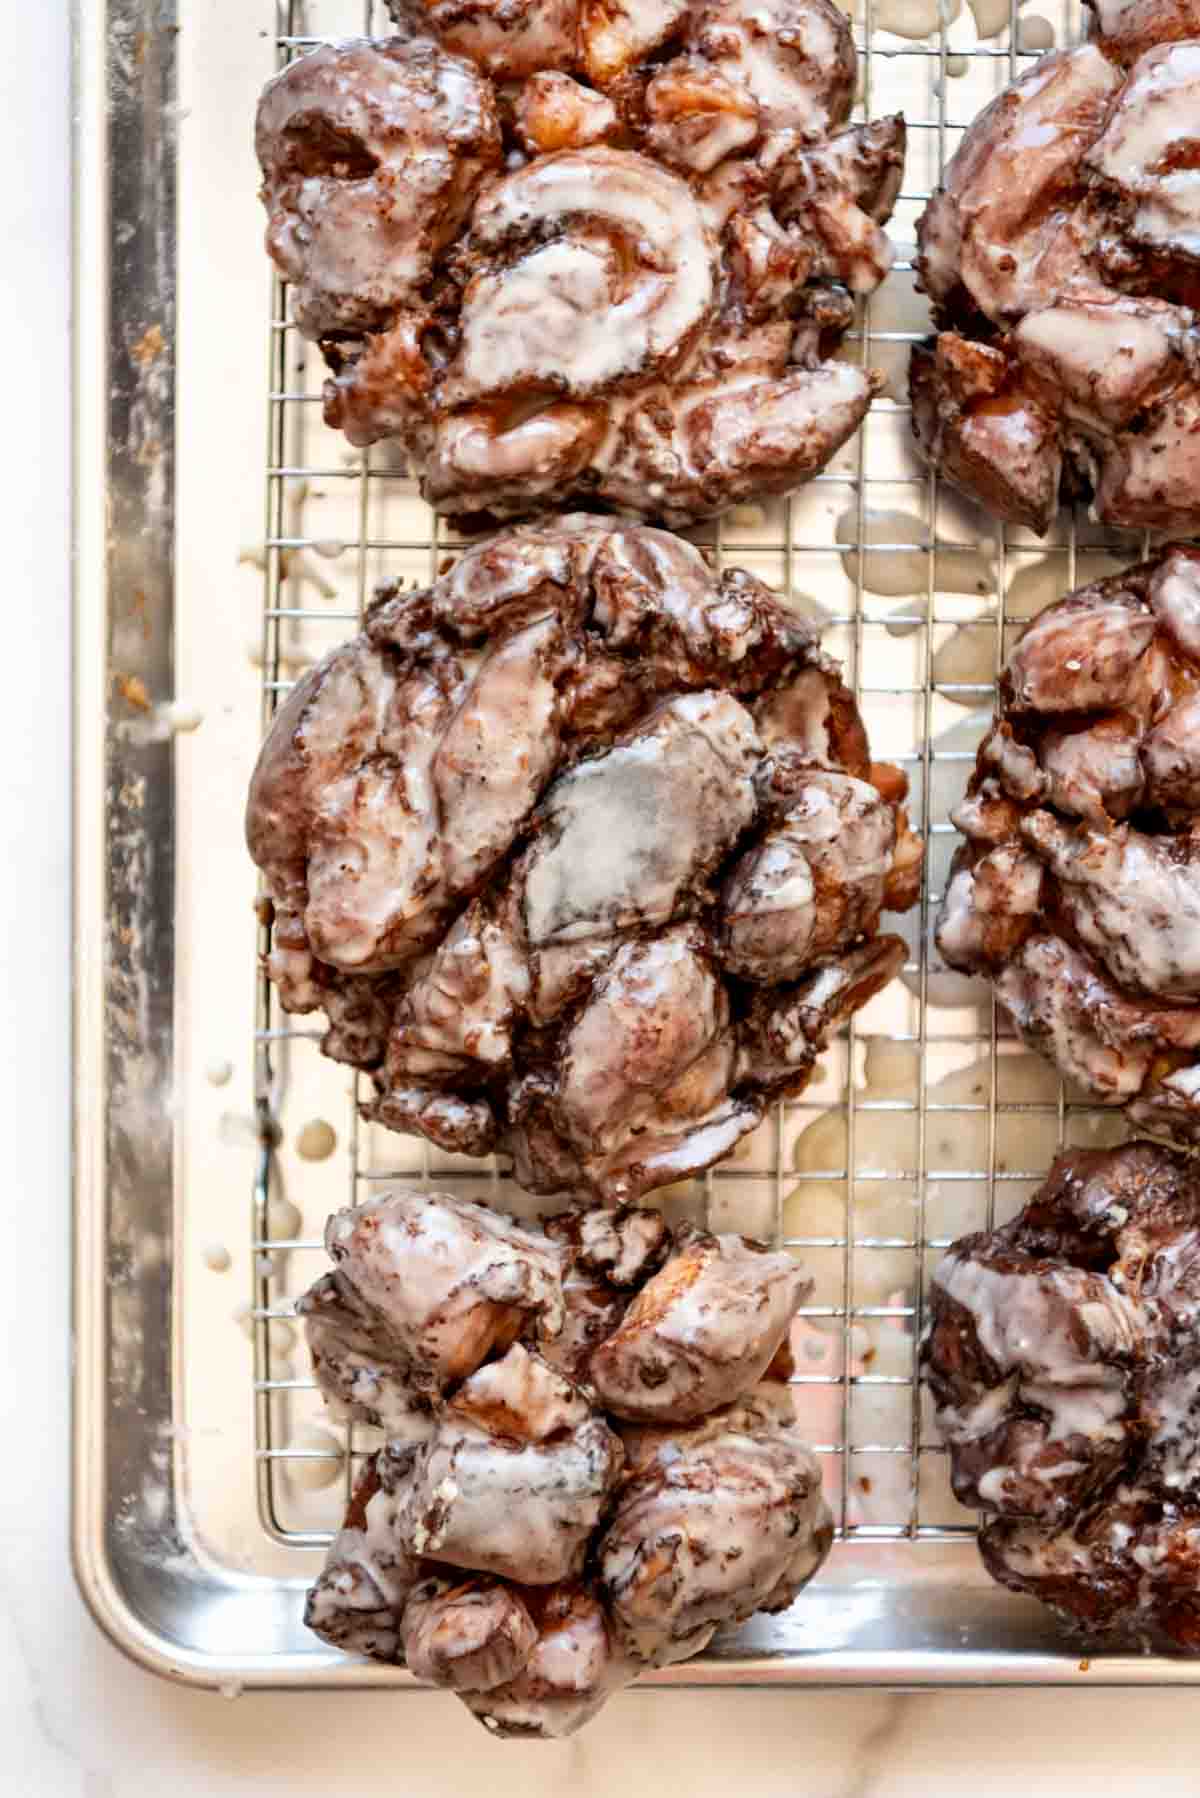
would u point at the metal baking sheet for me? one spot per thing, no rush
(206, 1477)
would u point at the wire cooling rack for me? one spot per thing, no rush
(927, 1119)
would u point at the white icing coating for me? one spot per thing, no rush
(1015, 765)
(560, 316)
(371, 154)
(505, 41)
(578, 267)
(697, 116)
(794, 57)
(1096, 773)
(701, 1333)
(1148, 147)
(1026, 1323)
(652, 1017)
(993, 1486)
(989, 905)
(1104, 356)
(485, 780)
(604, 860)
(462, 1006)
(515, 1477)
(358, 1600)
(616, 658)
(450, 1279)
(995, 225)
(573, 1669)
(719, 1522)
(1063, 1006)
(555, 113)
(1133, 899)
(362, 1372)
(1173, 1407)
(622, 1244)
(1076, 660)
(1151, 476)
(1186, 1083)
(759, 435)
(815, 881)
(1175, 597)
(615, 33)
(380, 795)
(373, 852)
(1170, 755)
(467, 1636)
(770, 909)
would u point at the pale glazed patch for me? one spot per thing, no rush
(794, 56)
(574, 1668)
(1170, 757)
(701, 1333)
(1087, 786)
(363, 1372)
(1175, 597)
(1143, 134)
(467, 1636)
(1096, 773)
(1025, 1324)
(1106, 357)
(1062, 1005)
(712, 1528)
(993, 224)
(654, 1021)
(359, 1598)
(453, 1280)
(371, 156)
(553, 318)
(815, 881)
(604, 861)
(519, 1497)
(1090, 1296)
(1075, 660)
(1134, 904)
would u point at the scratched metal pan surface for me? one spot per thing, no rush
(211, 1138)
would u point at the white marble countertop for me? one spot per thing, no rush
(78, 1721)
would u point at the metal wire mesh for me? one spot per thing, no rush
(926, 1120)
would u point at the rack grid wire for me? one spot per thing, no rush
(927, 1120)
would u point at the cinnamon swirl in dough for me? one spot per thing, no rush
(573, 251)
